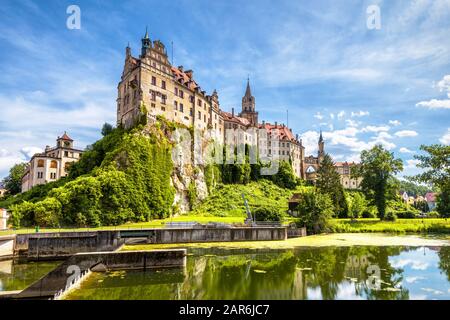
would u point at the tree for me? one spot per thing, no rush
(13, 182)
(329, 182)
(315, 211)
(107, 129)
(357, 205)
(437, 166)
(377, 169)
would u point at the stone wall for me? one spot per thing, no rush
(6, 247)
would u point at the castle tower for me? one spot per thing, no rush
(321, 143)
(248, 106)
(146, 44)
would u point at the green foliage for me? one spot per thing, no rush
(390, 216)
(285, 177)
(107, 129)
(437, 172)
(192, 194)
(226, 199)
(329, 182)
(356, 204)
(94, 154)
(377, 169)
(413, 189)
(443, 203)
(128, 180)
(267, 214)
(315, 211)
(13, 182)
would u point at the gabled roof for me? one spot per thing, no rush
(238, 120)
(184, 78)
(284, 133)
(430, 196)
(65, 137)
(345, 164)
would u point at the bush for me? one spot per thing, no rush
(315, 211)
(406, 214)
(433, 214)
(369, 213)
(267, 214)
(390, 216)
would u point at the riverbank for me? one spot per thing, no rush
(324, 240)
(418, 226)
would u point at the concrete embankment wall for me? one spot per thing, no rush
(59, 245)
(61, 277)
(6, 247)
(218, 234)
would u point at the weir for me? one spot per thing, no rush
(67, 274)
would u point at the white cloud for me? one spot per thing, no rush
(28, 152)
(406, 133)
(412, 163)
(352, 123)
(394, 122)
(341, 115)
(318, 115)
(405, 150)
(332, 115)
(446, 138)
(375, 128)
(309, 140)
(434, 104)
(360, 114)
(443, 86)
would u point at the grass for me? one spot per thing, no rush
(428, 225)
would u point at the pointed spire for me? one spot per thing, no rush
(320, 137)
(248, 92)
(146, 32)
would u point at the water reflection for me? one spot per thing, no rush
(303, 273)
(18, 276)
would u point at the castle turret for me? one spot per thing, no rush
(146, 44)
(321, 144)
(249, 106)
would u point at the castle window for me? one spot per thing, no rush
(199, 115)
(163, 99)
(163, 84)
(154, 81)
(40, 175)
(175, 105)
(204, 118)
(53, 164)
(181, 94)
(191, 99)
(40, 163)
(191, 112)
(66, 153)
(153, 105)
(153, 96)
(199, 102)
(163, 108)
(181, 107)
(53, 175)
(176, 91)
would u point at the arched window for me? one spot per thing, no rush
(310, 169)
(54, 164)
(40, 163)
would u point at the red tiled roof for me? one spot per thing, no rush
(238, 120)
(284, 133)
(65, 137)
(344, 164)
(430, 196)
(184, 78)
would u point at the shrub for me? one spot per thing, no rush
(390, 216)
(406, 214)
(315, 211)
(267, 214)
(433, 214)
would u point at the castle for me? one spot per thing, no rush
(52, 164)
(151, 81)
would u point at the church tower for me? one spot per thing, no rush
(321, 152)
(248, 106)
(146, 44)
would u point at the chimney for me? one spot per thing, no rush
(264, 122)
(276, 124)
(232, 112)
(189, 73)
(180, 68)
(296, 137)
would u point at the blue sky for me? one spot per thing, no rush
(316, 59)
